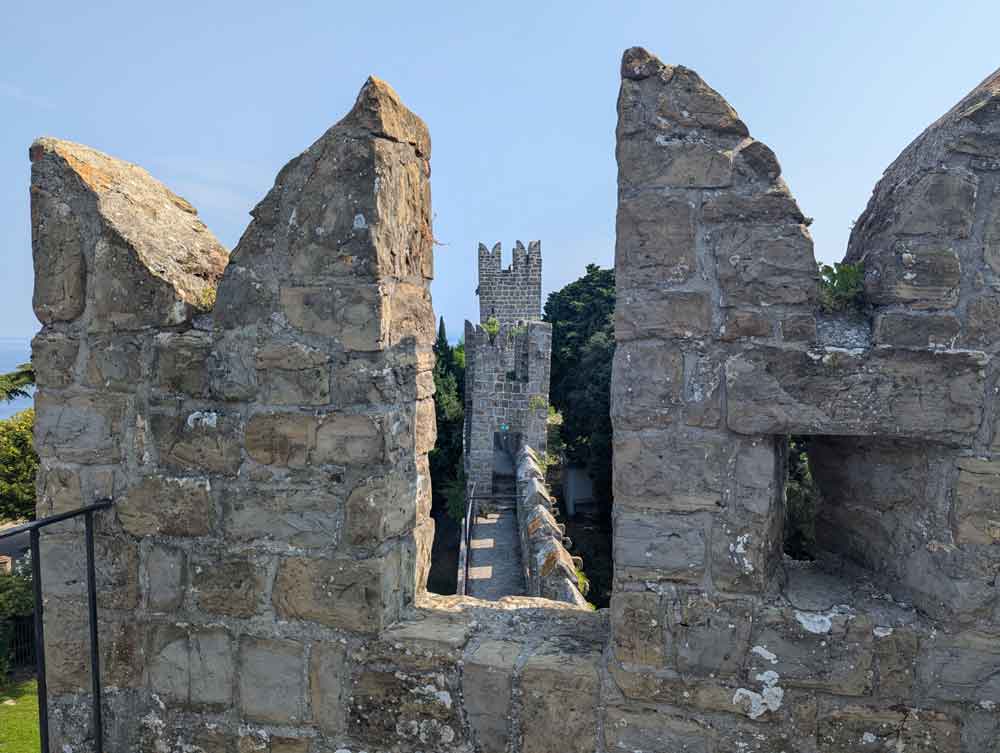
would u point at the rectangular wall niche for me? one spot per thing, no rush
(865, 503)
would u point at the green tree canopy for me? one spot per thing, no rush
(449, 408)
(17, 383)
(18, 466)
(583, 347)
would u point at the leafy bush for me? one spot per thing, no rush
(492, 327)
(16, 600)
(18, 466)
(842, 286)
(454, 492)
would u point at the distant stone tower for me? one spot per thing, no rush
(513, 294)
(507, 371)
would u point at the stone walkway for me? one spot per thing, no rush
(495, 547)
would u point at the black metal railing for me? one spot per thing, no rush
(464, 552)
(32, 529)
(22, 641)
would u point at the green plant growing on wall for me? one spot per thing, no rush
(492, 328)
(842, 286)
(538, 402)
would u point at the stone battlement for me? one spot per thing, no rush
(512, 294)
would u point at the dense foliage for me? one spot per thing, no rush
(16, 600)
(18, 466)
(842, 286)
(583, 347)
(801, 500)
(447, 479)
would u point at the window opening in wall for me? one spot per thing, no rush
(801, 501)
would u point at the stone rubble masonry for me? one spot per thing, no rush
(513, 294)
(550, 570)
(264, 439)
(891, 639)
(506, 393)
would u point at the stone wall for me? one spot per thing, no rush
(264, 437)
(513, 294)
(506, 393)
(549, 569)
(264, 440)
(891, 640)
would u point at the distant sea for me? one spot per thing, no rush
(13, 352)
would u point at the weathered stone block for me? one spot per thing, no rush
(487, 681)
(648, 384)
(895, 654)
(230, 586)
(381, 508)
(166, 577)
(941, 204)
(559, 690)
(656, 546)
(57, 247)
(669, 471)
(922, 276)
(775, 206)
(643, 313)
(415, 709)
(637, 628)
(79, 429)
(741, 324)
(114, 363)
(981, 316)
(53, 357)
(894, 392)
(352, 315)
(199, 441)
(348, 440)
(359, 595)
(271, 680)
(916, 330)
(165, 506)
(182, 363)
(293, 374)
(626, 730)
(687, 102)
(829, 651)
(852, 728)
(764, 265)
(656, 237)
(961, 667)
(977, 502)
(799, 328)
(709, 637)
(300, 517)
(283, 439)
(194, 668)
(329, 686)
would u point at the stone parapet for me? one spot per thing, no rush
(550, 570)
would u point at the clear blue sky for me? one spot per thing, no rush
(214, 97)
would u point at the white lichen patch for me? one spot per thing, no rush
(768, 699)
(868, 738)
(764, 654)
(739, 550)
(814, 622)
(203, 419)
(881, 631)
